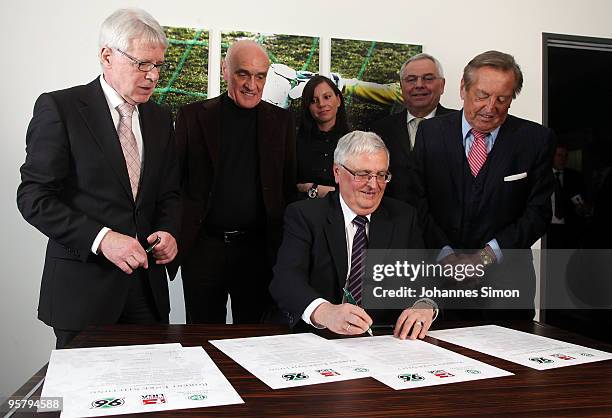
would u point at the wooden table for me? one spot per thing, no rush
(577, 391)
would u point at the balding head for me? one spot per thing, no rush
(244, 69)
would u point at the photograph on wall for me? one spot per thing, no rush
(186, 80)
(367, 74)
(294, 59)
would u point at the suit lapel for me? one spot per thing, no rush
(149, 125)
(454, 151)
(381, 230)
(336, 238)
(500, 156)
(402, 126)
(209, 118)
(98, 119)
(267, 148)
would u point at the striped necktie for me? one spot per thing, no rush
(478, 152)
(128, 145)
(360, 243)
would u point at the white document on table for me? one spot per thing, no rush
(135, 379)
(535, 351)
(283, 361)
(408, 364)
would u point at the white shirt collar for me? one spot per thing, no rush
(113, 98)
(348, 213)
(409, 116)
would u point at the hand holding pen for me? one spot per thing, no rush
(352, 301)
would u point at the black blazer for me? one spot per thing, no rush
(74, 182)
(312, 260)
(516, 213)
(198, 141)
(394, 132)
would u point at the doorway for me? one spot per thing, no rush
(577, 106)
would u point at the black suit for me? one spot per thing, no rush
(312, 260)
(466, 213)
(393, 130)
(248, 261)
(74, 182)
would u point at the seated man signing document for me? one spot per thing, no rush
(321, 262)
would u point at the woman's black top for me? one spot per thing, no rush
(315, 156)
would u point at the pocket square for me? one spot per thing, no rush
(515, 177)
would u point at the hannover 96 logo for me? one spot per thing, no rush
(541, 360)
(411, 377)
(108, 403)
(295, 376)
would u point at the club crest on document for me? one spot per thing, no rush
(328, 372)
(410, 377)
(441, 373)
(563, 356)
(107, 403)
(153, 399)
(541, 360)
(295, 376)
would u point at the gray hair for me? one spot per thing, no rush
(422, 56)
(497, 60)
(358, 142)
(124, 25)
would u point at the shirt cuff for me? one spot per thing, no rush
(445, 252)
(95, 247)
(429, 302)
(310, 309)
(495, 247)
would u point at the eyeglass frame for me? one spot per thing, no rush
(359, 178)
(160, 67)
(427, 78)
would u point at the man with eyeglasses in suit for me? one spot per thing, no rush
(100, 180)
(318, 262)
(422, 84)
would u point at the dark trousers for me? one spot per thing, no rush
(139, 309)
(217, 267)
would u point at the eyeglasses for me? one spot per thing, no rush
(365, 176)
(145, 67)
(427, 78)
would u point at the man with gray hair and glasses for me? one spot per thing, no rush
(100, 180)
(320, 267)
(422, 84)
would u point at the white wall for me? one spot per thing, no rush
(52, 45)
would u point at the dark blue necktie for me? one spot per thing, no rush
(360, 243)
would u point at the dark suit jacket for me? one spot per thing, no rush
(515, 213)
(312, 260)
(394, 132)
(74, 182)
(198, 139)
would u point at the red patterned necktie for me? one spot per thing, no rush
(478, 152)
(128, 145)
(360, 243)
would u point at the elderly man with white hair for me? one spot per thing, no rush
(100, 180)
(319, 274)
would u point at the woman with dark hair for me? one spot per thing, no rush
(323, 122)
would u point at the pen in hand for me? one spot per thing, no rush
(152, 246)
(352, 301)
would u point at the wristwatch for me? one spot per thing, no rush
(313, 192)
(486, 257)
